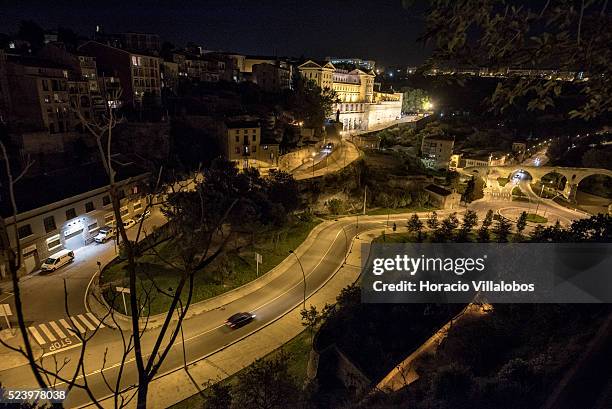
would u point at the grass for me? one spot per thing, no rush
(536, 218)
(298, 351)
(233, 270)
(398, 210)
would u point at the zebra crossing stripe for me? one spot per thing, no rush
(87, 323)
(48, 333)
(94, 319)
(78, 326)
(57, 329)
(37, 335)
(67, 326)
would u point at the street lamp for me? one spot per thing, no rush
(303, 275)
(313, 163)
(347, 244)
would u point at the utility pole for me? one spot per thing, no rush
(365, 195)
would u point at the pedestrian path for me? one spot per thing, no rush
(64, 328)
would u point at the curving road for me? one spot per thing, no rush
(204, 334)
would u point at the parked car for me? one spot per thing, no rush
(104, 234)
(138, 217)
(128, 223)
(239, 319)
(57, 260)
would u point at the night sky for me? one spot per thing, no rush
(377, 29)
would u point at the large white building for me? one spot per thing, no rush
(359, 106)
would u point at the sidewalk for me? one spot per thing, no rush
(177, 385)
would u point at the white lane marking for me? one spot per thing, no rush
(48, 333)
(57, 329)
(76, 323)
(84, 321)
(37, 336)
(94, 319)
(68, 326)
(87, 291)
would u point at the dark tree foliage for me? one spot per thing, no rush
(267, 384)
(564, 35)
(470, 191)
(283, 188)
(483, 232)
(502, 230)
(594, 229)
(309, 103)
(470, 218)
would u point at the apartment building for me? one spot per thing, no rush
(273, 77)
(243, 144)
(436, 151)
(64, 209)
(139, 73)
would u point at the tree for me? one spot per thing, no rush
(446, 228)
(283, 188)
(573, 37)
(415, 226)
(218, 396)
(267, 384)
(470, 191)
(415, 100)
(597, 158)
(483, 232)
(310, 319)
(335, 206)
(310, 103)
(502, 230)
(432, 221)
(470, 219)
(521, 223)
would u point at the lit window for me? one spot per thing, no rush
(53, 242)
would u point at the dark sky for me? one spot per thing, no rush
(375, 29)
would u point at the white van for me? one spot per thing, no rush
(57, 260)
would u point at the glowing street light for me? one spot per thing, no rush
(427, 105)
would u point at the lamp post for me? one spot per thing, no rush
(347, 244)
(313, 163)
(303, 275)
(539, 199)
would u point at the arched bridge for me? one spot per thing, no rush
(573, 176)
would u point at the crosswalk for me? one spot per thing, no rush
(64, 328)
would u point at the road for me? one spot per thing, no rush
(37, 289)
(205, 333)
(325, 161)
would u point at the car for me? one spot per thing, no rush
(104, 234)
(140, 216)
(57, 260)
(128, 223)
(239, 319)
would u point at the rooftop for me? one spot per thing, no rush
(235, 124)
(51, 187)
(439, 190)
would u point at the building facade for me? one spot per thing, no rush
(359, 107)
(442, 197)
(243, 144)
(272, 77)
(69, 223)
(436, 151)
(139, 74)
